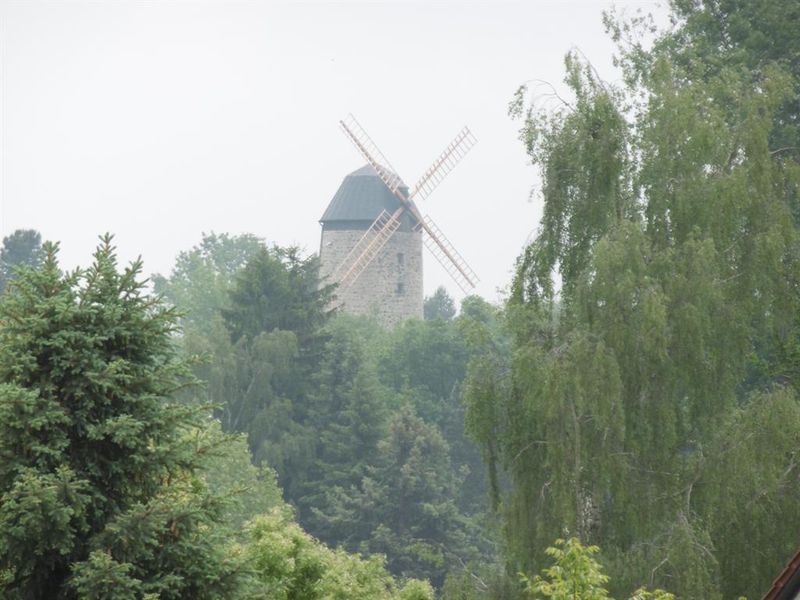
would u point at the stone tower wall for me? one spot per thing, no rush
(390, 288)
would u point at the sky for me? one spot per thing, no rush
(160, 120)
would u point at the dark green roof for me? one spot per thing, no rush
(361, 197)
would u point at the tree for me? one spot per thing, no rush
(428, 360)
(228, 472)
(348, 412)
(405, 507)
(22, 248)
(201, 280)
(425, 362)
(314, 396)
(668, 219)
(439, 306)
(277, 289)
(747, 488)
(263, 352)
(756, 41)
(97, 492)
(575, 574)
(480, 581)
(713, 37)
(291, 565)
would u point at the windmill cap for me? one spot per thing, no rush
(368, 171)
(362, 196)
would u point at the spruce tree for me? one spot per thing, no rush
(97, 493)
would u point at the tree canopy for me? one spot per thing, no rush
(22, 248)
(112, 485)
(627, 420)
(96, 489)
(656, 312)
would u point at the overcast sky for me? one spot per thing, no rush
(158, 121)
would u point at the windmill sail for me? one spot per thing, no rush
(443, 251)
(367, 247)
(384, 227)
(445, 163)
(372, 153)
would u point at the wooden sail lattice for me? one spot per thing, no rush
(444, 252)
(372, 153)
(445, 163)
(382, 229)
(367, 247)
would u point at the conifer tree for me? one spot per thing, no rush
(349, 412)
(21, 248)
(97, 493)
(406, 507)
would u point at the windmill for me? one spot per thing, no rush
(395, 214)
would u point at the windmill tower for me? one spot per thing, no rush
(373, 233)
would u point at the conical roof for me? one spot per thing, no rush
(361, 197)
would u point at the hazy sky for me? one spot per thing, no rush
(157, 121)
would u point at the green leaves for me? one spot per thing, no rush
(103, 578)
(749, 486)
(405, 508)
(170, 544)
(656, 308)
(290, 565)
(23, 248)
(43, 516)
(576, 575)
(277, 289)
(439, 306)
(203, 276)
(92, 447)
(582, 151)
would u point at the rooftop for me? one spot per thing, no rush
(361, 197)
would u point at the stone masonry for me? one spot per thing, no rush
(390, 288)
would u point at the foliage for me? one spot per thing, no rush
(425, 362)
(265, 356)
(22, 248)
(575, 574)
(747, 489)
(290, 564)
(277, 289)
(315, 397)
(712, 37)
(485, 379)
(169, 547)
(95, 462)
(227, 470)
(254, 382)
(203, 276)
(439, 306)
(348, 411)
(653, 316)
(404, 507)
(262, 337)
(426, 359)
(110, 489)
(362, 470)
(480, 581)
(582, 150)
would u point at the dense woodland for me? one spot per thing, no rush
(625, 422)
